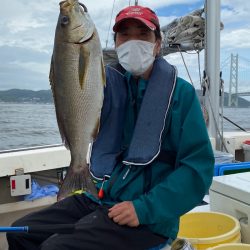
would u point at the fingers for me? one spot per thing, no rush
(120, 215)
(117, 210)
(124, 214)
(121, 219)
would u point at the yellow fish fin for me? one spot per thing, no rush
(83, 65)
(103, 73)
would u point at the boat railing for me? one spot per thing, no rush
(33, 159)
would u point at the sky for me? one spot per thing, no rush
(27, 30)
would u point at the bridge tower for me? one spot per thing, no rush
(233, 84)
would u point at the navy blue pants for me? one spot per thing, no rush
(95, 230)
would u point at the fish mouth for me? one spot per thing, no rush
(64, 4)
(65, 7)
(67, 3)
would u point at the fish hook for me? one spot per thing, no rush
(84, 7)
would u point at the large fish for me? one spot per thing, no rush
(77, 81)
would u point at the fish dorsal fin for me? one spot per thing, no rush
(96, 129)
(51, 75)
(103, 73)
(83, 65)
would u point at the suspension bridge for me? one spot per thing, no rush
(236, 75)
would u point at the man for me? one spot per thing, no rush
(153, 159)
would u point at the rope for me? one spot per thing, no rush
(110, 24)
(221, 108)
(209, 99)
(199, 65)
(213, 116)
(185, 65)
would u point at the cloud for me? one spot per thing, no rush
(193, 70)
(16, 26)
(27, 35)
(235, 11)
(32, 66)
(23, 68)
(14, 76)
(233, 39)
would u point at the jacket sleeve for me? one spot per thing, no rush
(185, 187)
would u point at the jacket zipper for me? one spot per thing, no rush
(114, 178)
(127, 172)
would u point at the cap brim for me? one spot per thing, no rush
(149, 24)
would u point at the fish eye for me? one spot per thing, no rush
(64, 20)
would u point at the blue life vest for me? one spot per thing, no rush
(145, 145)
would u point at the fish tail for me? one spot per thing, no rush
(75, 180)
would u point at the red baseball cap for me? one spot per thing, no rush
(143, 14)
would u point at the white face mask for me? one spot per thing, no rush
(136, 56)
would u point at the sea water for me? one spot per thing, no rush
(27, 125)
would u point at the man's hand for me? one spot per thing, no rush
(124, 214)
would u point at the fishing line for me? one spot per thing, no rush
(235, 124)
(110, 23)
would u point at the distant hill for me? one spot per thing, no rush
(45, 96)
(24, 95)
(242, 103)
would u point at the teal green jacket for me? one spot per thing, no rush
(174, 189)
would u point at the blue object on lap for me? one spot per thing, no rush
(38, 191)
